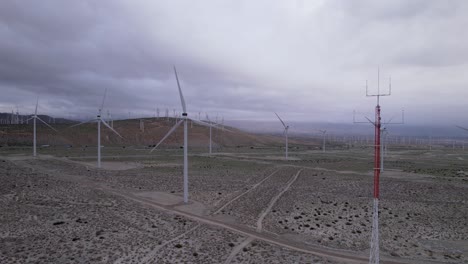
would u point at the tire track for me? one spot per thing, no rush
(262, 216)
(328, 253)
(246, 192)
(343, 256)
(153, 252)
(274, 200)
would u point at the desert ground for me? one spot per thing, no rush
(247, 205)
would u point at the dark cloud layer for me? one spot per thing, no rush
(242, 59)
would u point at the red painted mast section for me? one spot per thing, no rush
(377, 152)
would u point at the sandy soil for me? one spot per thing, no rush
(335, 211)
(241, 211)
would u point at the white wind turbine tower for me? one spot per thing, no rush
(323, 139)
(99, 119)
(184, 120)
(383, 137)
(286, 128)
(34, 117)
(208, 119)
(211, 125)
(466, 129)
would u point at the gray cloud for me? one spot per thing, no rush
(241, 59)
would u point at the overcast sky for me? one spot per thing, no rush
(306, 60)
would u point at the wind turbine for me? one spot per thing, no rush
(214, 125)
(323, 139)
(99, 119)
(466, 129)
(285, 133)
(34, 117)
(177, 124)
(207, 118)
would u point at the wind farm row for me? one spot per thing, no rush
(183, 189)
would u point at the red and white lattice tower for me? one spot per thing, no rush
(374, 244)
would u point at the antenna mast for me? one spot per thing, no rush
(374, 251)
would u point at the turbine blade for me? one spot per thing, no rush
(168, 134)
(103, 99)
(390, 120)
(46, 124)
(201, 123)
(228, 130)
(182, 101)
(280, 120)
(37, 103)
(107, 125)
(217, 126)
(370, 120)
(462, 128)
(79, 124)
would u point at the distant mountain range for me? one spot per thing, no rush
(297, 129)
(9, 118)
(137, 134)
(304, 129)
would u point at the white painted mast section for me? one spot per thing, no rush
(374, 252)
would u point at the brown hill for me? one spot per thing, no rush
(154, 130)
